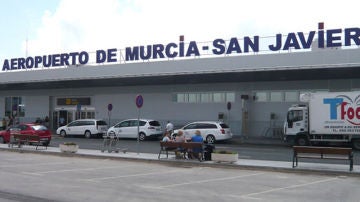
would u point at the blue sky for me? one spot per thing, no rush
(20, 20)
(57, 26)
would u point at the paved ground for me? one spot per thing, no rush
(34, 177)
(338, 167)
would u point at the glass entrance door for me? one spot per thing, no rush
(64, 116)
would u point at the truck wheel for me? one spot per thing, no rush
(302, 141)
(356, 144)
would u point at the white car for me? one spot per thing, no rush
(211, 131)
(85, 127)
(128, 129)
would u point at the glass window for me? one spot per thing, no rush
(276, 96)
(125, 124)
(261, 96)
(291, 96)
(192, 97)
(210, 97)
(191, 126)
(218, 97)
(101, 123)
(295, 115)
(14, 106)
(230, 97)
(181, 97)
(154, 123)
(205, 97)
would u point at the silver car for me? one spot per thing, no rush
(128, 129)
(211, 131)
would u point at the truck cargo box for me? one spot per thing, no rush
(334, 113)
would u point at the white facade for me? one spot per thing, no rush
(263, 87)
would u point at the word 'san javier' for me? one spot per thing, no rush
(322, 38)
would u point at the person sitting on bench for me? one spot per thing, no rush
(196, 138)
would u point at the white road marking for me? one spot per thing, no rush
(32, 164)
(133, 175)
(205, 181)
(73, 170)
(250, 196)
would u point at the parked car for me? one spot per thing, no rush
(27, 128)
(84, 127)
(211, 131)
(128, 129)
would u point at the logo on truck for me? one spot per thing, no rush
(349, 108)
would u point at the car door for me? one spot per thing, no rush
(121, 129)
(132, 130)
(208, 129)
(189, 130)
(73, 128)
(24, 129)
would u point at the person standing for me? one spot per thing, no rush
(11, 121)
(4, 123)
(169, 127)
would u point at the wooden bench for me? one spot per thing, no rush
(336, 153)
(26, 139)
(182, 147)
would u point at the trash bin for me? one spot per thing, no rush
(208, 149)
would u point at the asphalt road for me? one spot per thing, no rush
(29, 177)
(246, 151)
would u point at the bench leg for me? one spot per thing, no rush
(295, 160)
(351, 162)
(159, 154)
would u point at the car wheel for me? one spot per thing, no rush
(62, 133)
(1, 139)
(210, 139)
(142, 136)
(87, 134)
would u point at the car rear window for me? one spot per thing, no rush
(154, 123)
(223, 125)
(101, 123)
(39, 127)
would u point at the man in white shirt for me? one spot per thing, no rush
(169, 127)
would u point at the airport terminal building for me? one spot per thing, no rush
(247, 82)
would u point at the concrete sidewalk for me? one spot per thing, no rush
(285, 166)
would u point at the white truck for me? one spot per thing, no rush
(331, 117)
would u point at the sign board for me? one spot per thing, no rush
(139, 101)
(110, 107)
(228, 105)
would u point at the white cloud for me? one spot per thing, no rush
(91, 25)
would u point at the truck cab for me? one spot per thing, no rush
(296, 125)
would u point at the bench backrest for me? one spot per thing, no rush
(27, 137)
(170, 144)
(188, 145)
(192, 145)
(323, 150)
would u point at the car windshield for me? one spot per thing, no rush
(39, 127)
